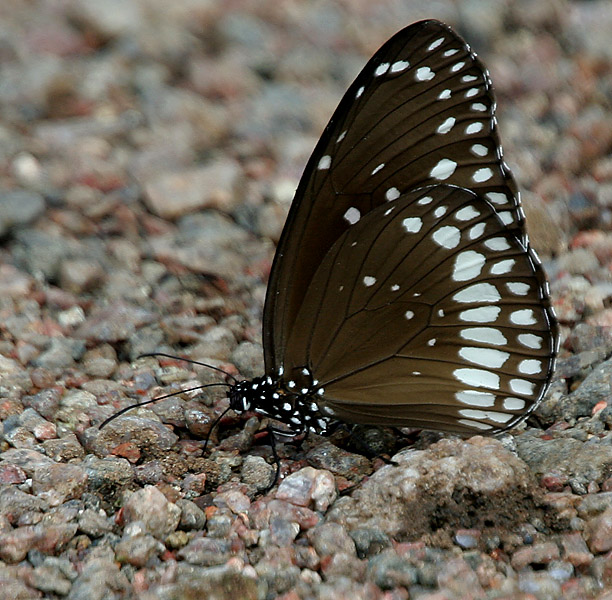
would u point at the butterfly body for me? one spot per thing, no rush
(293, 402)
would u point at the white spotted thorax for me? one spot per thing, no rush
(296, 407)
(404, 277)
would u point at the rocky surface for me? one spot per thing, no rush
(149, 155)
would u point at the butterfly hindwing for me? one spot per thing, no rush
(418, 314)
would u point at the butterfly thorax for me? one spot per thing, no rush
(283, 401)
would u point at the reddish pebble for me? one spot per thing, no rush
(10, 473)
(127, 450)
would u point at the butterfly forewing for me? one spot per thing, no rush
(427, 312)
(421, 112)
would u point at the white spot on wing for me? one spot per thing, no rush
(324, 163)
(457, 66)
(378, 168)
(399, 65)
(521, 386)
(514, 404)
(447, 237)
(450, 52)
(436, 44)
(476, 398)
(359, 92)
(352, 215)
(477, 378)
(409, 314)
(424, 74)
(518, 288)
(496, 197)
(482, 175)
(485, 357)
(474, 128)
(483, 314)
(479, 292)
(444, 169)
(425, 200)
(484, 335)
(475, 424)
(524, 316)
(412, 224)
(446, 126)
(478, 106)
(502, 267)
(467, 213)
(476, 231)
(440, 211)
(468, 78)
(530, 340)
(491, 415)
(444, 94)
(468, 265)
(369, 281)
(471, 93)
(479, 150)
(497, 244)
(381, 69)
(530, 367)
(392, 194)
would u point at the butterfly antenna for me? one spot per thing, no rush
(215, 423)
(124, 410)
(189, 360)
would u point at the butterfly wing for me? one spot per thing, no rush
(421, 112)
(428, 312)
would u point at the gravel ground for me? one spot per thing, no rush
(148, 153)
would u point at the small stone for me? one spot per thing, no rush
(537, 554)
(599, 532)
(575, 549)
(19, 207)
(171, 194)
(59, 482)
(388, 571)
(15, 544)
(192, 516)
(308, 486)
(150, 506)
(369, 541)
(10, 473)
(257, 472)
(80, 275)
(138, 550)
(467, 538)
(329, 538)
(94, 523)
(64, 449)
(50, 580)
(206, 551)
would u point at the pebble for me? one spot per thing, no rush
(171, 195)
(59, 482)
(307, 487)
(150, 506)
(19, 207)
(599, 532)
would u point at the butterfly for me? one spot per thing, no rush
(404, 291)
